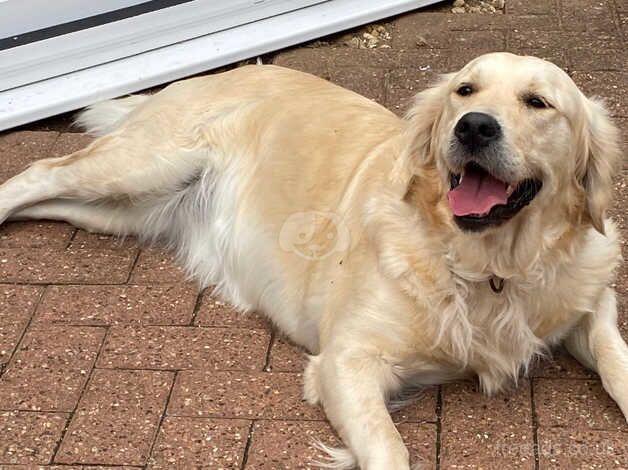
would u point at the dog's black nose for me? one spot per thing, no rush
(477, 130)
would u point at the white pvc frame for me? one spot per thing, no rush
(44, 59)
(77, 89)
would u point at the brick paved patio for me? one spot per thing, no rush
(109, 357)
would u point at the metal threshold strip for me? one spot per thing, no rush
(75, 90)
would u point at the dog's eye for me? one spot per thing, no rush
(464, 90)
(536, 102)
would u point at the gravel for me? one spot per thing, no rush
(478, 6)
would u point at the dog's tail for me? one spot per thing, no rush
(335, 458)
(101, 118)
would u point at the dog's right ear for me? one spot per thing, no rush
(423, 118)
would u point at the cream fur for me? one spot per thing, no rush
(326, 212)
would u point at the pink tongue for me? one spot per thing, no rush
(477, 193)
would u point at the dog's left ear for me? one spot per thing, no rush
(600, 160)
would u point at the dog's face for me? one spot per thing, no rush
(513, 131)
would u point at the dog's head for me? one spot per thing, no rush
(508, 132)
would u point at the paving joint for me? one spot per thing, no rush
(247, 446)
(80, 397)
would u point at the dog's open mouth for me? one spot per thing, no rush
(479, 200)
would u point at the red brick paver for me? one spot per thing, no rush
(54, 266)
(117, 418)
(562, 448)
(241, 395)
(486, 432)
(154, 266)
(159, 347)
(288, 444)
(17, 304)
(207, 443)
(50, 368)
(111, 358)
(213, 312)
(29, 438)
(112, 305)
(580, 403)
(286, 357)
(36, 235)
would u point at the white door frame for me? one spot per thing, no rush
(77, 89)
(102, 43)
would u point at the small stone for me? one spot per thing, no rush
(421, 41)
(354, 42)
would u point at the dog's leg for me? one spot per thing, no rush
(103, 217)
(119, 170)
(597, 343)
(353, 387)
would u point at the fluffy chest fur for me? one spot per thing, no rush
(496, 336)
(509, 329)
(471, 329)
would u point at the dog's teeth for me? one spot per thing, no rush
(509, 190)
(461, 176)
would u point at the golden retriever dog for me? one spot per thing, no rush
(461, 241)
